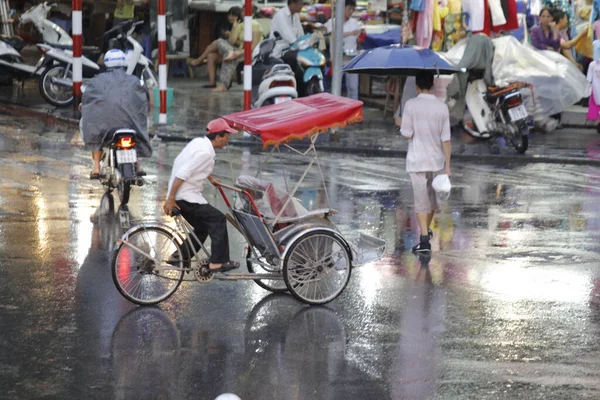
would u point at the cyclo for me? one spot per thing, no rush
(288, 247)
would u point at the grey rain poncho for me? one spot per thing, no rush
(115, 100)
(479, 55)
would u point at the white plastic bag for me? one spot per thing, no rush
(442, 186)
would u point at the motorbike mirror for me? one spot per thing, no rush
(277, 35)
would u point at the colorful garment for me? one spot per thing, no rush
(455, 29)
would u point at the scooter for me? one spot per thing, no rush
(275, 82)
(118, 163)
(52, 33)
(312, 63)
(56, 82)
(12, 65)
(497, 112)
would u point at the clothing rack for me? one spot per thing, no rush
(7, 27)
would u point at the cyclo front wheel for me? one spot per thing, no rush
(317, 267)
(144, 269)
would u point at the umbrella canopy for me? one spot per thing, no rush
(398, 59)
(297, 119)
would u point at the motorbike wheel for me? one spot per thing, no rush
(521, 142)
(313, 87)
(56, 95)
(124, 189)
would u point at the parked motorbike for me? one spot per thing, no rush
(52, 33)
(12, 65)
(273, 81)
(56, 82)
(311, 61)
(497, 112)
(118, 165)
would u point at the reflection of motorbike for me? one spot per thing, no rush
(172, 48)
(496, 112)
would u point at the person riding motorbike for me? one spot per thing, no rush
(286, 23)
(114, 100)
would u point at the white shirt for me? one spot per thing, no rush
(593, 77)
(193, 165)
(349, 26)
(426, 121)
(288, 25)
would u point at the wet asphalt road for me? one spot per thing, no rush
(509, 306)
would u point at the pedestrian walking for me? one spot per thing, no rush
(426, 125)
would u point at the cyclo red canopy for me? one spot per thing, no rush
(298, 119)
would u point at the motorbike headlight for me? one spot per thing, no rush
(304, 44)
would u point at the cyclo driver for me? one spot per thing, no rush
(114, 100)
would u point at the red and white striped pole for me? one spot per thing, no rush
(248, 55)
(77, 28)
(162, 60)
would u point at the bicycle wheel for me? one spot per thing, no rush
(136, 275)
(272, 285)
(317, 267)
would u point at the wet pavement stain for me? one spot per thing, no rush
(508, 307)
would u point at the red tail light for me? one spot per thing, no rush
(126, 142)
(281, 83)
(513, 102)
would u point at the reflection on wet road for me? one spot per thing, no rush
(508, 307)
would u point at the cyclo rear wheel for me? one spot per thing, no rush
(136, 275)
(272, 285)
(317, 267)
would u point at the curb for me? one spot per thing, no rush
(52, 118)
(387, 152)
(47, 116)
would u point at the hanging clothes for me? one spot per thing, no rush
(476, 11)
(497, 13)
(487, 20)
(455, 29)
(535, 7)
(455, 6)
(425, 25)
(418, 5)
(512, 18)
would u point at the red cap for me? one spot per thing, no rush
(219, 125)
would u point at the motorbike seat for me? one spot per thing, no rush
(116, 133)
(91, 52)
(14, 41)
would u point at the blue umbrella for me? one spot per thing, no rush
(398, 59)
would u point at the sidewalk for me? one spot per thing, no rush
(376, 136)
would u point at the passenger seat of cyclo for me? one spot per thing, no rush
(275, 199)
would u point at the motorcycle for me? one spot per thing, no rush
(273, 81)
(312, 62)
(56, 82)
(52, 33)
(497, 112)
(118, 164)
(12, 65)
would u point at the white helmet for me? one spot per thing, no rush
(115, 58)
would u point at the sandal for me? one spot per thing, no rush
(228, 266)
(209, 86)
(141, 173)
(94, 175)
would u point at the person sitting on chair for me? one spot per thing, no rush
(192, 167)
(221, 49)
